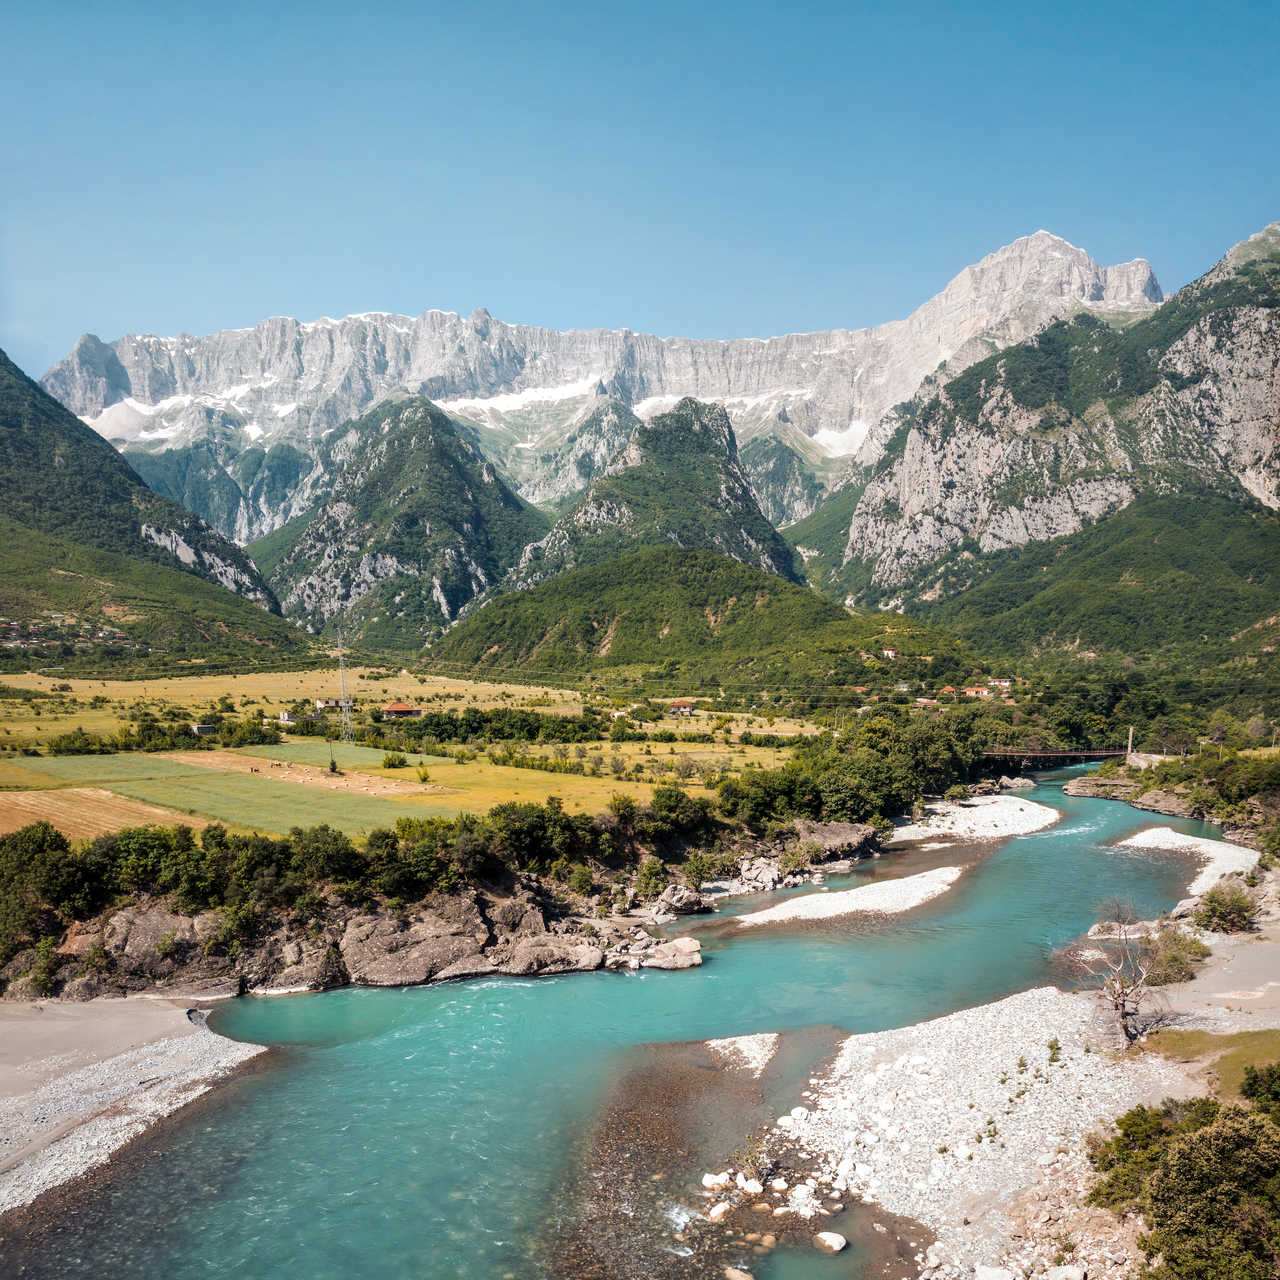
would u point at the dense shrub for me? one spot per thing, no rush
(1206, 1177)
(1226, 908)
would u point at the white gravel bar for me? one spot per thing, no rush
(76, 1121)
(886, 897)
(981, 818)
(939, 1122)
(1219, 857)
(746, 1053)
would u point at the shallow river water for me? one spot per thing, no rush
(437, 1131)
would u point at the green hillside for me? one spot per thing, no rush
(679, 481)
(1170, 570)
(692, 619)
(155, 608)
(416, 523)
(63, 479)
(93, 561)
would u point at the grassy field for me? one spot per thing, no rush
(104, 771)
(1226, 1055)
(264, 804)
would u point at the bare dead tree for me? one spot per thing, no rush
(1116, 962)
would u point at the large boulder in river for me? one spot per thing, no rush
(546, 955)
(385, 950)
(682, 901)
(674, 953)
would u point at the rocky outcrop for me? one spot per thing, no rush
(286, 383)
(680, 900)
(149, 946)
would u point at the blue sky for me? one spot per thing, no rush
(707, 169)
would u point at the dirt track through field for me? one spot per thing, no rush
(367, 784)
(82, 812)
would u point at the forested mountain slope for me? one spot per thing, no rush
(86, 540)
(1169, 571)
(678, 482)
(692, 618)
(415, 524)
(1040, 440)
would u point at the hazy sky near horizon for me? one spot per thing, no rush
(712, 169)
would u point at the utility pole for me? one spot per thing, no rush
(344, 702)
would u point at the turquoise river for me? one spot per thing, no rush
(438, 1131)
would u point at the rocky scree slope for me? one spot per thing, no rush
(63, 481)
(231, 422)
(1041, 439)
(679, 482)
(414, 525)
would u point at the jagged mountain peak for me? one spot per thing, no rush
(202, 404)
(678, 481)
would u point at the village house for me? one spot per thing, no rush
(892, 654)
(400, 711)
(681, 707)
(976, 691)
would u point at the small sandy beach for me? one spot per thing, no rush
(78, 1081)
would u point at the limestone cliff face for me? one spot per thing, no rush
(1049, 436)
(241, 394)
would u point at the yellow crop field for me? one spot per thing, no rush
(83, 812)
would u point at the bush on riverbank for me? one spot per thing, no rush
(1172, 956)
(1206, 1178)
(1227, 908)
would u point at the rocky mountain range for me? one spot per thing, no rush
(1052, 434)
(233, 424)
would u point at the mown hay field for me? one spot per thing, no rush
(82, 812)
(347, 755)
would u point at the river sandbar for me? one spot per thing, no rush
(1219, 857)
(887, 897)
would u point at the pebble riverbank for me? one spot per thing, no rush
(77, 1121)
(946, 1122)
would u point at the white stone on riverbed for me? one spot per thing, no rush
(747, 1053)
(969, 1141)
(829, 1241)
(885, 897)
(982, 818)
(1220, 858)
